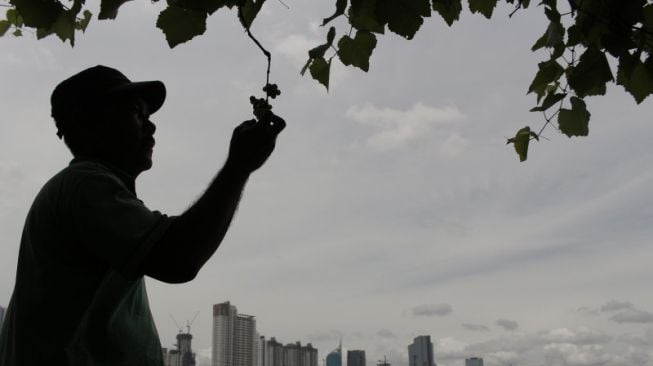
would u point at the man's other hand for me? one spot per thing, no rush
(252, 143)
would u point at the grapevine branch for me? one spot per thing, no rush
(265, 52)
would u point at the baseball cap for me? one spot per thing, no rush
(96, 85)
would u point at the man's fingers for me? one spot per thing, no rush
(275, 123)
(245, 125)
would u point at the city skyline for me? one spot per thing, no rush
(272, 352)
(392, 206)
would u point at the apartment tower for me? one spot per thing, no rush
(234, 337)
(420, 352)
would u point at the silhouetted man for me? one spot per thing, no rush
(79, 297)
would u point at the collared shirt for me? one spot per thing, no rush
(79, 298)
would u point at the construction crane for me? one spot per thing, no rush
(384, 362)
(188, 323)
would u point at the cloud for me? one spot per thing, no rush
(454, 146)
(616, 305)
(295, 47)
(386, 333)
(581, 336)
(584, 310)
(507, 324)
(622, 312)
(565, 354)
(432, 310)
(326, 336)
(475, 327)
(396, 128)
(632, 316)
(556, 347)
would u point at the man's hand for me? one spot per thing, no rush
(252, 143)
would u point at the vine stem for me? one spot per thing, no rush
(265, 52)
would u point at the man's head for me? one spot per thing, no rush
(101, 114)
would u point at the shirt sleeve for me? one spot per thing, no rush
(114, 225)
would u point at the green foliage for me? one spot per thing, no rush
(449, 10)
(403, 17)
(574, 121)
(357, 51)
(181, 24)
(109, 8)
(341, 6)
(521, 142)
(485, 7)
(320, 70)
(582, 42)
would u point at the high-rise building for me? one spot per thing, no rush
(183, 354)
(420, 352)
(234, 337)
(474, 361)
(356, 358)
(335, 357)
(297, 355)
(273, 353)
(261, 351)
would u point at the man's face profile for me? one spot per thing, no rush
(127, 134)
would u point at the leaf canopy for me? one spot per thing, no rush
(582, 42)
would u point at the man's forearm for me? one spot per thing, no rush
(194, 236)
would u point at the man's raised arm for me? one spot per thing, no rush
(194, 236)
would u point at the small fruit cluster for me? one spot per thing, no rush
(272, 90)
(260, 106)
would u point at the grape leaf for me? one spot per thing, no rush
(341, 5)
(549, 101)
(634, 76)
(13, 17)
(449, 10)
(4, 27)
(38, 13)
(485, 7)
(591, 74)
(83, 23)
(180, 25)
(320, 70)
(404, 17)
(64, 27)
(521, 142)
(109, 8)
(209, 6)
(363, 16)
(549, 71)
(574, 121)
(357, 51)
(641, 83)
(250, 9)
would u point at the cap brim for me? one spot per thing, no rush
(153, 93)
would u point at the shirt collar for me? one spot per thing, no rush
(127, 179)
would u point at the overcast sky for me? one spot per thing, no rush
(392, 207)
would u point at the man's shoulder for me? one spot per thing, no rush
(76, 174)
(79, 170)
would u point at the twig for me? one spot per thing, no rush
(265, 52)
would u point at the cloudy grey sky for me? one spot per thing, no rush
(392, 206)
